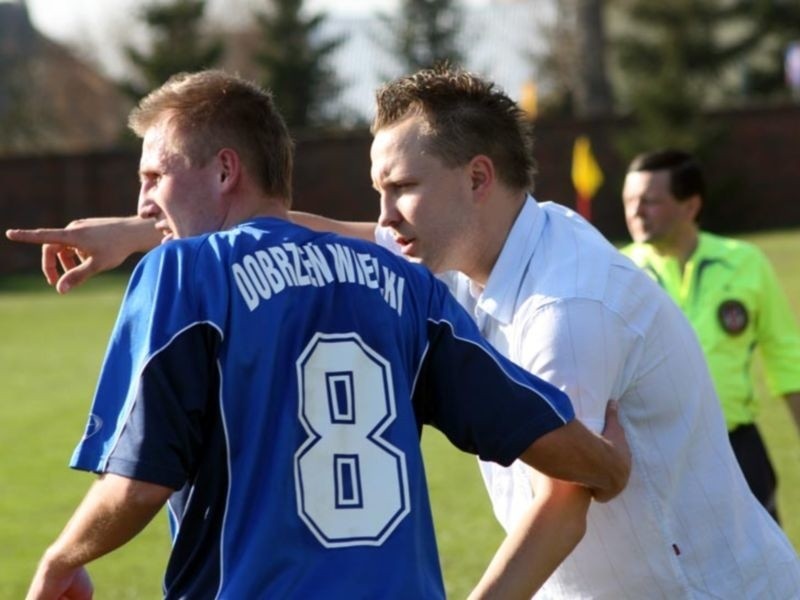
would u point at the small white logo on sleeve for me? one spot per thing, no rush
(93, 426)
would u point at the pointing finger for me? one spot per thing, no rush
(40, 236)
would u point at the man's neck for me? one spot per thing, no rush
(255, 208)
(681, 248)
(495, 225)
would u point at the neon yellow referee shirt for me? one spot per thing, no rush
(731, 295)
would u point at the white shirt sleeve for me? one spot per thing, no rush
(383, 237)
(581, 347)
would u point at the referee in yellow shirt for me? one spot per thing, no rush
(727, 289)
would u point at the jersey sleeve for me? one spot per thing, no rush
(481, 401)
(778, 334)
(157, 380)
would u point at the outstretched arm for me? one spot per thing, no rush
(86, 247)
(114, 510)
(357, 229)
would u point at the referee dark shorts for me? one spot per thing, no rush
(752, 455)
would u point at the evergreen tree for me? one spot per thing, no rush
(593, 94)
(294, 62)
(424, 33)
(671, 61)
(763, 73)
(177, 45)
(20, 125)
(555, 68)
(573, 69)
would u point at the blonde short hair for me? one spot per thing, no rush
(211, 110)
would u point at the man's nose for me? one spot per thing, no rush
(389, 216)
(147, 209)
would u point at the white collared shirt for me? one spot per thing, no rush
(564, 304)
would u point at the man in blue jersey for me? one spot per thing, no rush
(269, 384)
(452, 163)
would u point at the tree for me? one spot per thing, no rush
(593, 94)
(672, 60)
(763, 72)
(178, 44)
(424, 33)
(294, 62)
(574, 65)
(555, 68)
(19, 125)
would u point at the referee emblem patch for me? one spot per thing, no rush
(733, 316)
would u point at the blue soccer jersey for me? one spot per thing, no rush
(278, 380)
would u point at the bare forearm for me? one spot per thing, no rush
(357, 229)
(114, 510)
(141, 235)
(573, 453)
(544, 537)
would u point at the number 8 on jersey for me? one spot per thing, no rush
(351, 485)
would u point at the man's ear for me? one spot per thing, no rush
(229, 168)
(693, 205)
(482, 174)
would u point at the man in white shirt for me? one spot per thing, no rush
(452, 162)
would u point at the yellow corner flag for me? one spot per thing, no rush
(586, 175)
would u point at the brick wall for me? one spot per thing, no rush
(755, 179)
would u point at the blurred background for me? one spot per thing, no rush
(717, 77)
(600, 81)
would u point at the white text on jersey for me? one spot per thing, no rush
(267, 272)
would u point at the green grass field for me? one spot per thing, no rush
(50, 354)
